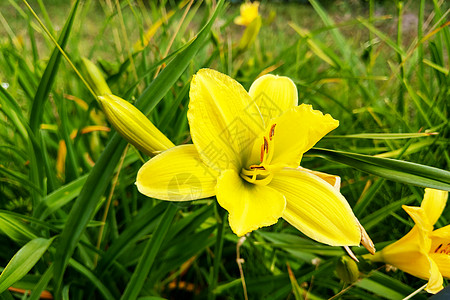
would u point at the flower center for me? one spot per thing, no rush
(443, 249)
(261, 174)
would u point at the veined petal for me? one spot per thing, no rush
(433, 203)
(419, 216)
(273, 95)
(317, 209)
(443, 263)
(177, 174)
(249, 206)
(440, 249)
(224, 122)
(435, 280)
(409, 248)
(441, 233)
(334, 180)
(294, 133)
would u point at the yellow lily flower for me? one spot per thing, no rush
(247, 150)
(422, 252)
(249, 12)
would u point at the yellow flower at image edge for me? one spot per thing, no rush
(422, 252)
(246, 151)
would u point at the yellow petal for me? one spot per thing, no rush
(441, 233)
(443, 263)
(177, 174)
(315, 208)
(273, 95)
(409, 248)
(435, 280)
(249, 11)
(419, 216)
(239, 21)
(334, 180)
(440, 249)
(433, 203)
(224, 121)
(133, 125)
(294, 133)
(249, 206)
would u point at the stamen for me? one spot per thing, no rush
(272, 131)
(266, 145)
(437, 249)
(255, 167)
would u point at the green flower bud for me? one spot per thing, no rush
(347, 269)
(133, 125)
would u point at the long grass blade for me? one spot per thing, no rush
(396, 170)
(23, 262)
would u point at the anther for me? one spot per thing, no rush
(272, 131)
(437, 249)
(266, 145)
(254, 167)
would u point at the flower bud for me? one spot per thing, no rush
(94, 77)
(347, 269)
(133, 125)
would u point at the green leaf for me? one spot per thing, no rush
(376, 217)
(60, 197)
(385, 286)
(23, 261)
(142, 224)
(149, 254)
(42, 284)
(37, 111)
(383, 136)
(15, 229)
(50, 72)
(392, 169)
(88, 274)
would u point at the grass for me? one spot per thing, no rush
(72, 223)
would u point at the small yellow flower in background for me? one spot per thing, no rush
(422, 252)
(246, 151)
(249, 12)
(133, 125)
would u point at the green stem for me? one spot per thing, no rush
(221, 221)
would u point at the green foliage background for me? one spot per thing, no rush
(71, 220)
